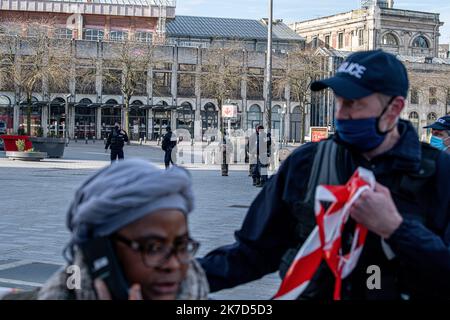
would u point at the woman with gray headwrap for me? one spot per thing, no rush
(142, 212)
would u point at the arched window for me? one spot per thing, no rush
(135, 109)
(276, 117)
(162, 103)
(85, 119)
(185, 118)
(389, 39)
(296, 121)
(111, 103)
(110, 115)
(58, 101)
(57, 116)
(209, 121)
(6, 114)
(161, 119)
(254, 117)
(421, 42)
(85, 101)
(5, 101)
(414, 118)
(137, 128)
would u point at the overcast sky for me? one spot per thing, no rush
(297, 10)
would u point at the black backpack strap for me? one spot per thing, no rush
(323, 171)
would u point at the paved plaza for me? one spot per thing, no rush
(36, 196)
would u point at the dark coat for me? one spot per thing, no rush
(116, 139)
(269, 230)
(167, 143)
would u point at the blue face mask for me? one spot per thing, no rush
(361, 134)
(438, 143)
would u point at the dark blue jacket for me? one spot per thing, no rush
(116, 139)
(269, 229)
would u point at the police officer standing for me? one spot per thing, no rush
(169, 143)
(262, 148)
(252, 151)
(440, 131)
(116, 140)
(407, 214)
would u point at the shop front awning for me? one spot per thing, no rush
(108, 105)
(158, 107)
(87, 105)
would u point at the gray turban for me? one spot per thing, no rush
(123, 193)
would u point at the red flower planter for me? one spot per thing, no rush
(10, 142)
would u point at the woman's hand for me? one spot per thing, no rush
(103, 292)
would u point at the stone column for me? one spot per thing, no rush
(44, 120)
(16, 117)
(174, 88)
(71, 121)
(72, 87)
(98, 120)
(244, 91)
(149, 124)
(198, 100)
(98, 88)
(150, 101)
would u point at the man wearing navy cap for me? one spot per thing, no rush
(407, 214)
(440, 131)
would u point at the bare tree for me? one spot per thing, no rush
(34, 60)
(127, 72)
(301, 68)
(221, 76)
(85, 75)
(220, 80)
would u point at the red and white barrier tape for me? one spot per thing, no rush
(325, 240)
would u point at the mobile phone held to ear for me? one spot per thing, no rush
(102, 262)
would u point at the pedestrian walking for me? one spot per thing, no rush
(116, 141)
(168, 144)
(251, 147)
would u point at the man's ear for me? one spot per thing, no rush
(397, 106)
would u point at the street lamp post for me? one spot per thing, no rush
(268, 82)
(283, 120)
(66, 124)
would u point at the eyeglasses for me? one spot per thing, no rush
(154, 253)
